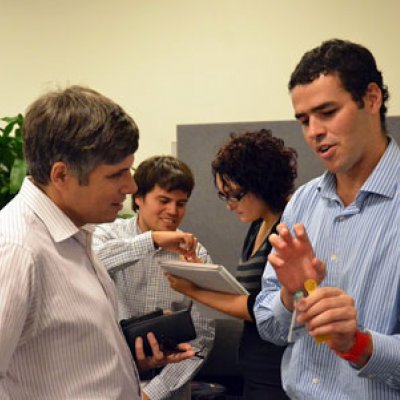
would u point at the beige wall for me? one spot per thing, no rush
(171, 62)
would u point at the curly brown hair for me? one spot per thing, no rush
(259, 163)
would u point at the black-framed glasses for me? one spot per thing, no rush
(232, 197)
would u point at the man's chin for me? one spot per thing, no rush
(168, 227)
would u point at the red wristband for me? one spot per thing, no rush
(360, 344)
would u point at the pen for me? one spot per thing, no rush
(297, 297)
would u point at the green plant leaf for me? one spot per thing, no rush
(8, 119)
(125, 216)
(12, 164)
(8, 129)
(17, 175)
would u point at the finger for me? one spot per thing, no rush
(342, 315)
(158, 355)
(275, 260)
(284, 233)
(139, 350)
(327, 311)
(195, 241)
(188, 242)
(184, 347)
(171, 278)
(277, 243)
(317, 296)
(301, 234)
(281, 226)
(184, 352)
(323, 300)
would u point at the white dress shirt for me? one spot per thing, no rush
(134, 264)
(59, 337)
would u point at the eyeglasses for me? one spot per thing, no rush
(232, 198)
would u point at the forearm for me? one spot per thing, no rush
(171, 381)
(272, 317)
(231, 304)
(119, 253)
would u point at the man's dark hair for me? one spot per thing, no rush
(259, 163)
(354, 65)
(80, 127)
(168, 172)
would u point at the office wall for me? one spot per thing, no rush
(171, 62)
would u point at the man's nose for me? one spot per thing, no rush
(131, 186)
(172, 208)
(315, 128)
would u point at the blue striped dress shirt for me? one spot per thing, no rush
(360, 244)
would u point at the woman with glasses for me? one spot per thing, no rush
(254, 173)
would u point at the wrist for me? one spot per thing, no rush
(287, 299)
(154, 237)
(362, 344)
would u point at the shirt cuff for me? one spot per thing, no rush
(281, 313)
(384, 363)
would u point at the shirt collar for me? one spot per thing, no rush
(135, 224)
(383, 180)
(58, 224)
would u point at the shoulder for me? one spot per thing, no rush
(24, 239)
(120, 228)
(303, 200)
(20, 226)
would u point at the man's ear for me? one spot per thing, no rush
(59, 174)
(373, 98)
(138, 201)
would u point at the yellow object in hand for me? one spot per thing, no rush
(310, 285)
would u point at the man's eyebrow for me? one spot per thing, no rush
(118, 172)
(164, 197)
(316, 109)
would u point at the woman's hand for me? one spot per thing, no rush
(181, 285)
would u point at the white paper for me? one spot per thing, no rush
(207, 276)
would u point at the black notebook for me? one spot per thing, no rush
(169, 330)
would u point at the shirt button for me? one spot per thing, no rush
(315, 381)
(333, 257)
(371, 376)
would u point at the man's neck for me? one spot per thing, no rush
(142, 226)
(349, 184)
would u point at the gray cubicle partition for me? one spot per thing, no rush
(207, 216)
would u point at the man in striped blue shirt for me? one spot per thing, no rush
(341, 230)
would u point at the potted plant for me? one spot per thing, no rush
(12, 163)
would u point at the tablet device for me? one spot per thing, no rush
(207, 276)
